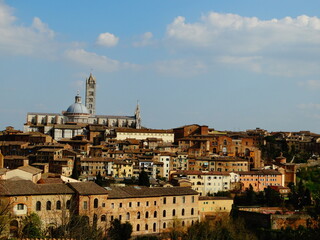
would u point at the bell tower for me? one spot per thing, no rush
(91, 94)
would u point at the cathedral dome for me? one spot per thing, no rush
(77, 107)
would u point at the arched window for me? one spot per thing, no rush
(95, 203)
(182, 212)
(147, 214)
(103, 218)
(138, 215)
(155, 214)
(128, 216)
(173, 212)
(138, 227)
(192, 211)
(48, 205)
(58, 205)
(164, 225)
(154, 227)
(146, 227)
(68, 204)
(164, 213)
(38, 206)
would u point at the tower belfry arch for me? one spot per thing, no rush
(91, 94)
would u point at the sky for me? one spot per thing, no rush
(232, 65)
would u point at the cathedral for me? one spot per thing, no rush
(72, 122)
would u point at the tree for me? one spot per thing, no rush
(144, 179)
(120, 231)
(75, 171)
(4, 215)
(272, 197)
(32, 226)
(99, 179)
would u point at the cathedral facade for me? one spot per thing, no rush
(72, 122)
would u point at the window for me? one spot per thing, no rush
(38, 206)
(103, 218)
(155, 203)
(147, 203)
(68, 204)
(146, 227)
(164, 225)
(58, 205)
(155, 214)
(120, 217)
(173, 212)
(111, 218)
(183, 199)
(182, 212)
(120, 205)
(174, 200)
(20, 206)
(147, 214)
(192, 199)
(95, 203)
(48, 205)
(130, 204)
(138, 204)
(112, 205)
(164, 213)
(138, 227)
(164, 200)
(128, 216)
(192, 211)
(154, 227)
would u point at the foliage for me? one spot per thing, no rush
(147, 238)
(225, 229)
(32, 226)
(75, 171)
(289, 233)
(269, 197)
(4, 215)
(120, 231)
(223, 194)
(144, 179)
(300, 196)
(99, 179)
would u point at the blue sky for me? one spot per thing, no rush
(231, 65)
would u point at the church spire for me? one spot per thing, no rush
(137, 116)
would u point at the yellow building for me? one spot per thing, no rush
(214, 206)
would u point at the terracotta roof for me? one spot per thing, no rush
(87, 188)
(146, 130)
(195, 172)
(26, 187)
(260, 172)
(30, 169)
(140, 191)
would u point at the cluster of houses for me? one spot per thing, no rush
(186, 167)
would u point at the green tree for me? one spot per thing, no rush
(32, 226)
(99, 179)
(120, 231)
(75, 171)
(272, 197)
(144, 179)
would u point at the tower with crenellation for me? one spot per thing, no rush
(91, 94)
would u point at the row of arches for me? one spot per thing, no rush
(49, 205)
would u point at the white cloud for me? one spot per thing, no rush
(286, 47)
(15, 39)
(144, 40)
(309, 106)
(97, 62)
(181, 67)
(107, 40)
(311, 84)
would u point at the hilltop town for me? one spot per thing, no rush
(92, 169)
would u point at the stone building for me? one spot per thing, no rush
(73, 121)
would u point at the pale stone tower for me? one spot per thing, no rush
(138, 117)
(91, 94)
